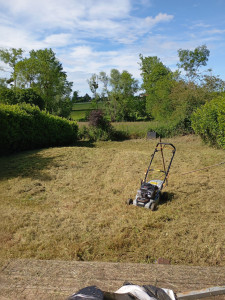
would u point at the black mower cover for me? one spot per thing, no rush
(127, 292)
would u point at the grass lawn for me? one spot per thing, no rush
(69, 203)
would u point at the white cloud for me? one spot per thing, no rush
(58, 40)
(89, 19)
(89, 36)
(215, 31)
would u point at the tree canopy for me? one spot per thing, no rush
(43, 73)
(191, 61)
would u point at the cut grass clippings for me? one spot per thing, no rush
(69, 203)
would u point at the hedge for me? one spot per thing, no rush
(209, 122)
(23, 127)
(166, 129)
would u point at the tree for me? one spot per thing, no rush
(75, 98)
(122, 95)
(158, 81)
(105, 81)
(191, 61)
(185, 97)
(44, 73)
(11, 57)
(213, 84)
(86, 98)
(93, 84)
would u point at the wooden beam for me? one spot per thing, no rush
(213, 291)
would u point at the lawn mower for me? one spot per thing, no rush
(149, 194)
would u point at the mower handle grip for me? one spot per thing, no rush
(169, 144)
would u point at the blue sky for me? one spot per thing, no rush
(89, 36)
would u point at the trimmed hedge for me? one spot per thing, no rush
(209, 122)
(24, 127)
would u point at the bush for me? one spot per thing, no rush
(209, 122)
(100, 129)
(97, 119)
(26, 127)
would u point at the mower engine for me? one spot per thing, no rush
(146, 192)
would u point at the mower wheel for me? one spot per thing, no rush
(129, 201)
(153, 206)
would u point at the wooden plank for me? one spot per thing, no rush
(208, 292)
(56, 280)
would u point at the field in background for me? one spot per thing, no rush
(69, 203)
(80, 110)
(134, 129)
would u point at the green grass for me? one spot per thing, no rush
(78, 115)
(80, 110)
(69, 203)
(134, 129)
(139, 129)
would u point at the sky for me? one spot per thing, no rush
(89, 36)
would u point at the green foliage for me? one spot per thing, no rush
(185, 97)
(119, 101)
(158, 81)
(95, 134)
(26, 127)
(100, 128)
(209, 122)
(172, 128)
(93, 84)
(7, 96)
(29, 96)
(44, 73)
(14, 96)
(121, 105)
(213, 84)
(64, 108)
(75, 97)
(11, 57)
(191, 61)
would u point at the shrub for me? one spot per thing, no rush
(26, 127)
(209, 122)
(100, 129)
(97, 119)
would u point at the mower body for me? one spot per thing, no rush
(149, 194)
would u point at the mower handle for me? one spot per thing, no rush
(169, 144)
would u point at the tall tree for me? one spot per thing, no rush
(93, 84)
(191, 61)
(157, 83)
(122, 101)
(75, 98)
(44, 73)
(11, 57)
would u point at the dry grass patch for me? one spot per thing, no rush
(69, 203)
